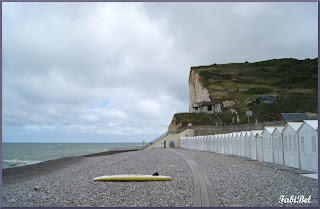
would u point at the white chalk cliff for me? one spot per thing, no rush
(197, 93)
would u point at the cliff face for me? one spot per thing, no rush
(173, 127)
(197, 93)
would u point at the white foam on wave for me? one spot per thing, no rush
(17, 162)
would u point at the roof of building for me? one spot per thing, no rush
(213, 102)
(268, 129)
(268, 95)
(294, 116)
(279, 128)
(294, 125)
(244, 133)
(312, 123)
(254, 132)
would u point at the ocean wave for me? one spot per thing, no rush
(16, 163)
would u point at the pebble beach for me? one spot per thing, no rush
(68, 182)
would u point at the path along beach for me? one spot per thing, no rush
(68, 182)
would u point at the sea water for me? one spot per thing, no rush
(20, 154)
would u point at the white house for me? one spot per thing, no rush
(253, 140)
(277, 145)
(213, 106)
(291, 144)
(308, 138)
(260, 146)
(267, 144)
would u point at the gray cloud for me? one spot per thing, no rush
(119, 71)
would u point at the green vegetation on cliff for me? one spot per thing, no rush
(295, 81)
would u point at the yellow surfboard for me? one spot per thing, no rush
(132, 177)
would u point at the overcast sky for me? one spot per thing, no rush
(117, 72)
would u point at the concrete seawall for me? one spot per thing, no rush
(210, 130)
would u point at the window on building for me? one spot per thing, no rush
(279, 143)
(290, 143)
(314, 144)
(285, 145)
(295, 143)
(209, 108)
(270, 143)
(302, 143)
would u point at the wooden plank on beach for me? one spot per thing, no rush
(204, 195)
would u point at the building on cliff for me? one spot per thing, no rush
(200, 96)
(269, 98)
(208, 107)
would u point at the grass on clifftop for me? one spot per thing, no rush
(281, 76)
(296, 81)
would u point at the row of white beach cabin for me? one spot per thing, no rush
(294, 145)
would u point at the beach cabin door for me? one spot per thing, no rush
(275, 150)
(267, 148)
(248, 147)
(222, 144)
(280, 150)
(291, 150)
(253, 147)
(306, 153)
(243, 147)
(230, 144)
(234, 145)
(226, 148)
(238, 145)
(260, 148)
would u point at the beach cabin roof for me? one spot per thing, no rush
(259, 134)
(312, 123)
(235, 134)
(255, 132)
(247, 133)
(294, 125)
(268, 129)
(279, 128)
(244, 133)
